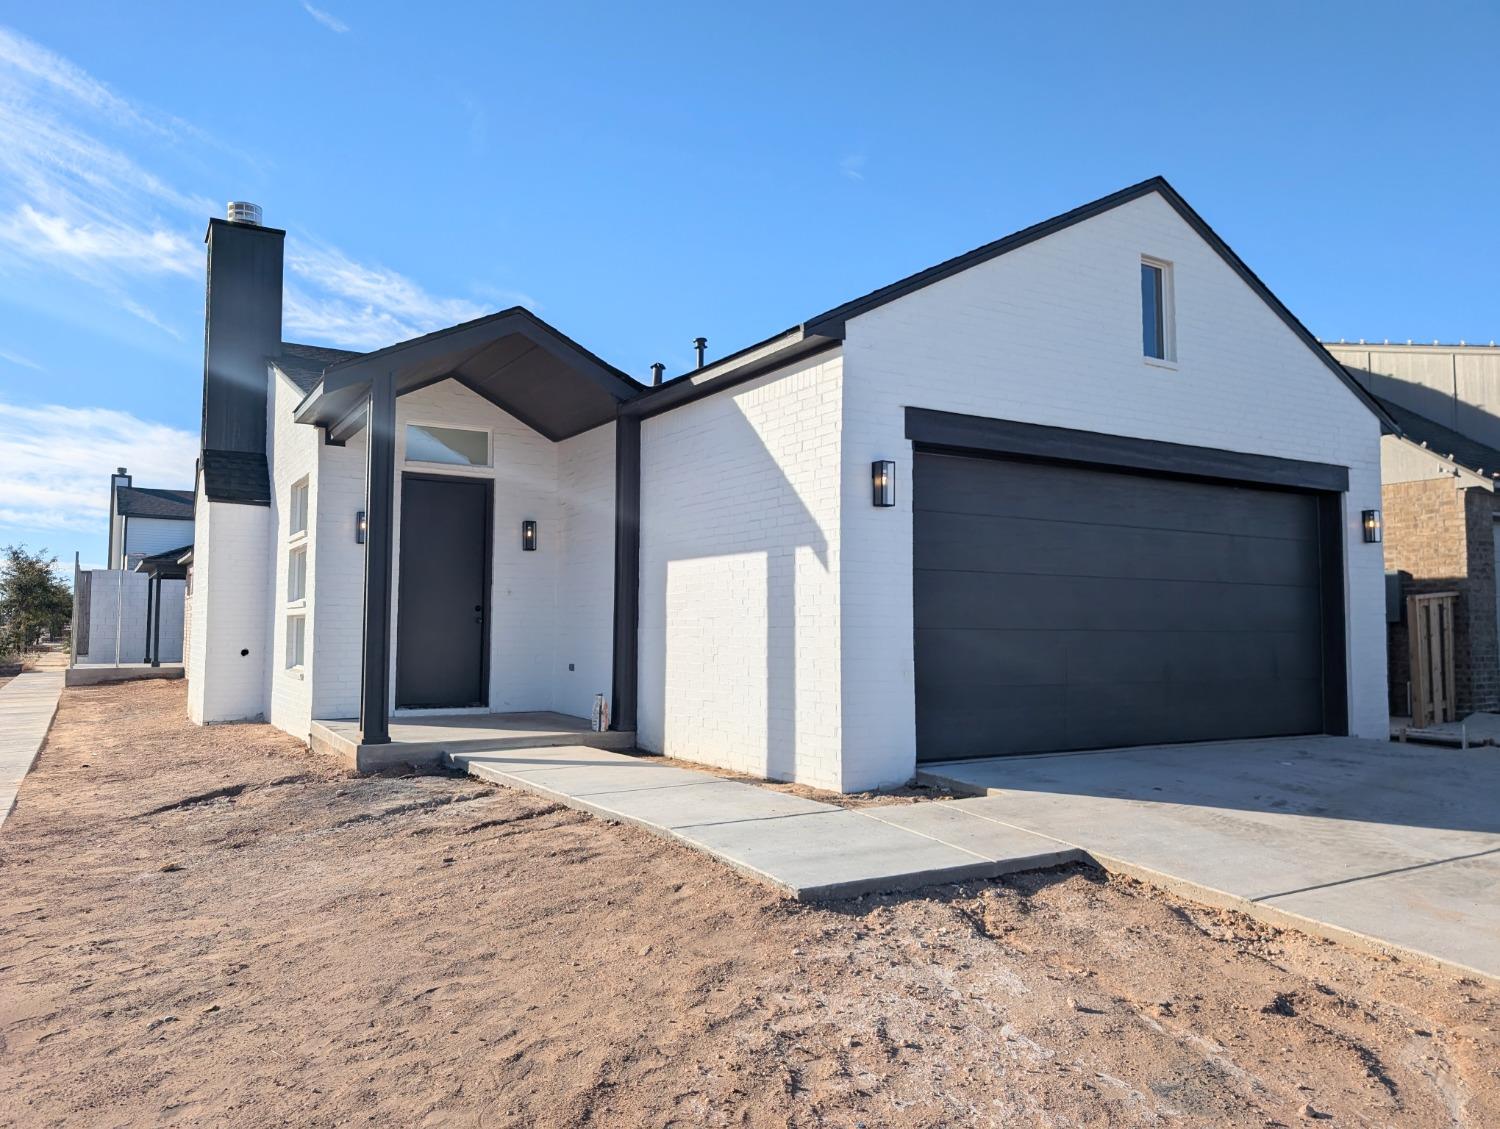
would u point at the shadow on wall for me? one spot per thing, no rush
(737, 560)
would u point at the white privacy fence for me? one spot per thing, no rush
(122, 617)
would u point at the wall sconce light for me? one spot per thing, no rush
(883, 479)
(1370, 521)
(528, 536)
(361, 528)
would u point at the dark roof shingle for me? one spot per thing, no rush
(144, 501)
(236, 476)
(304, 364)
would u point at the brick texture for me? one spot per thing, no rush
(1441, 539)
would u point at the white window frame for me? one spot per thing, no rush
(451, 468)
(298, 508)
(296, 655)
(1168, 314)
(296, 576)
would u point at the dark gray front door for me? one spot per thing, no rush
(1061, 607)
(442, 622)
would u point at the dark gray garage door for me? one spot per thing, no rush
(1060, 607)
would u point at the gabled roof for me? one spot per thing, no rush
(304, 364)
(167, 565)
(1442, 440)
(512, 358)
(144, 501)
(235, 476)
(831, 325)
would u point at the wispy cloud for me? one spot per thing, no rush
(84, 194)
(327, 19)
(55, 462)
(359, 304)
(853, 166)
(18, 359)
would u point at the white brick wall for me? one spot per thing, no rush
(585, 595)
(231, 563)
(739, 598)
(336, 579)
(1051, 334)
(293, 456)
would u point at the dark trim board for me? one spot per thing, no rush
(624, 685)
(961, 434)
(1335, 637)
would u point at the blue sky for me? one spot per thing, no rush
(642, 175)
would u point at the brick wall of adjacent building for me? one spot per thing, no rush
(1441, 539)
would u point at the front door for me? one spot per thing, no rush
(442, 625)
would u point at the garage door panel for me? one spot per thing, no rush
(1045, 491)
(966, 659)
(995, 725)
(1060, 607)
(975, 542)
(1089, 603)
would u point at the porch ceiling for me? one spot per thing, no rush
(513, 359)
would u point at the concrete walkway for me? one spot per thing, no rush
(27, 703)
(803, 848)
(1386, 846)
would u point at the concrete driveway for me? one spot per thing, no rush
(1395, 846)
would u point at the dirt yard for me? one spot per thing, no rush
(212, 927)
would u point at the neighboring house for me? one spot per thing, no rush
(1438, 494)
(1088, 486)
(145, 521)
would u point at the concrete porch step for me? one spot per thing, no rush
(425, 738)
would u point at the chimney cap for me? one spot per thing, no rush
(242, 211)
(120, 470)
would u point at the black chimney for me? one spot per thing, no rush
(701, 344)
(242, 328)
(656, 373)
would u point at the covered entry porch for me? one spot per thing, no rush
(497, 543)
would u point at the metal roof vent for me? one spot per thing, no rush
(241, 211)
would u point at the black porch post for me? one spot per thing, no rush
(627, 569)
(150, 592)
(380, 493)
(156, 624)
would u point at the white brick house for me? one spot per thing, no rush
(1128, 489)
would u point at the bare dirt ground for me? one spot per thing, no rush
(213, 927)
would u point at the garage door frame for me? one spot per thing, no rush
(982, 437)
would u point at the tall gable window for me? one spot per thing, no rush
(1156, 311)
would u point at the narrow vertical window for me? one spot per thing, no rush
(1155, 311)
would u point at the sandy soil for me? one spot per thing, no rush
(212, 927)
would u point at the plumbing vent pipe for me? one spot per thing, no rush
(700, 344)
(657, 370)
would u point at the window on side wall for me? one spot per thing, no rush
(296, 637)
(296, 575)
(1157, 322)
(297, 509)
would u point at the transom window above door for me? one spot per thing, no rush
(452, 446)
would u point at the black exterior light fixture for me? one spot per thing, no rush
(883, 480)
(528, 536)
(361, 528)
(1369, 521)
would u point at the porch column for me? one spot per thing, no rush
(156, 623)
(627, 569)
(150, 594)
(380, 493)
